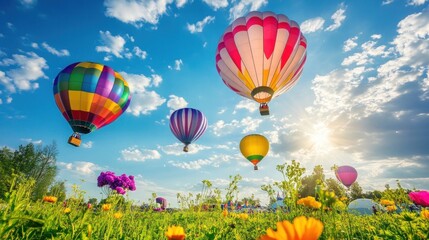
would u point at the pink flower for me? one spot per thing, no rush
(420, 198)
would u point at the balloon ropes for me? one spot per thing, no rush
(347, 175)
(254, 148)
(260, 56)
(187, 124)
(90, 95)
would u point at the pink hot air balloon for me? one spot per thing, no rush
(420, 198)
(346, 175)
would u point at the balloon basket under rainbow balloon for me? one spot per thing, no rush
(264, 109)
(255, 168)
(75, 140)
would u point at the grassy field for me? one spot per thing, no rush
(50, 219)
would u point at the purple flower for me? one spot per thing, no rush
(120, 190)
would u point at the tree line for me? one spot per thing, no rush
(31, 162)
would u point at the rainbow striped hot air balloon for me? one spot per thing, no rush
(90, 95)
(260, 56)
(347, 175)
(187, 124)
(254, 147)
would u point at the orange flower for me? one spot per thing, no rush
(50, 199)
(225, 212)
(386, 202)
(309, 202)
(106, 207)
(391, 208)
(301, 229)
(425, 213)
(117, 215)
(175, 233)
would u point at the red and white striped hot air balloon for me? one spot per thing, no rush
(261, 55)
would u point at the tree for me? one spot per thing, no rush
(309, 182)
(35, 163)
(356, 191)
(333, 185)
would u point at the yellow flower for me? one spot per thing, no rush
(106, 207)
(391, 208)
(301, 229)
(89, 230)
(340, 205)
(50, 199)
(343, 198)
(425, 213)
(175, 233)
(386, 202)
(117, 215)
(243, 216)
(67, 210)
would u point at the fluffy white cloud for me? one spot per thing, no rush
(137, 12)
(214, 161)
(247, 104)
(386, 2)
(139, 155)
(199, 26)
(349, 44)
(87, 144)
(367, 55)
(111, 44)
(181, 3)
(312, 25)
(80, 167)
(416, 2)
(144, 101)
(23, 72)
(241, 7)
(248, 124)
(29, 140)
(140, 53)
(177, 149)
(338, 17)
(216, 4)
(59, 53)
(177, 65)
(176, 102)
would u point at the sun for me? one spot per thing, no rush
(319, 138)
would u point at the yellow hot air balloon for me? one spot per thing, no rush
(254, 147)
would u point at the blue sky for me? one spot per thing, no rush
(362, 100)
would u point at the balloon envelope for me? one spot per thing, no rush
(254, 148)
(90, 95)
(347, 175)
(261, 55)
(187, 124)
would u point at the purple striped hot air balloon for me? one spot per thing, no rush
(347, 175)
(187, 124)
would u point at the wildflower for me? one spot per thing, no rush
(425, 213)
(309, 202)
(89, 206)
(106, 207)
(67, 210)
(386, 202)
(391, 208)
(175, 233)
(301, 228)
(339, 205)
(343, 199)
(50, 199)
(420, 198)
(225, 212)
(243, 216)
(117, 215)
